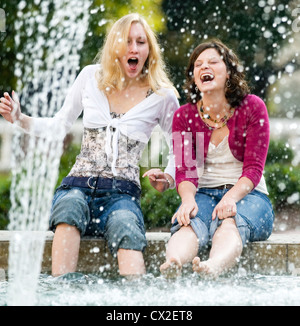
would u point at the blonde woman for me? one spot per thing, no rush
(122, 97)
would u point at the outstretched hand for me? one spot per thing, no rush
(10, 107)
(158, 179)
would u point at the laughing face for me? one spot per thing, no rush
(210, 71)
(137, 52)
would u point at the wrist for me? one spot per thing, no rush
(170, 181)
(187, 197)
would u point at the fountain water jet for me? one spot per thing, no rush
(47, 66)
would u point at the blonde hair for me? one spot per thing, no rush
(111, 76)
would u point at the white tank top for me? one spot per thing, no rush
(221, 168)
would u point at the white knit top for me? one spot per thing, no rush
(137, 124)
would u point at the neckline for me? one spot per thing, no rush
(213, 146)
(194, 105)
(122, 114)
(136, 106)
(223, 121)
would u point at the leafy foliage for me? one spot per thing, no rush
(256, 31)
(5, 201)
(282, 177)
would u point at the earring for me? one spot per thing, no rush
(228, 83)
(196, 89)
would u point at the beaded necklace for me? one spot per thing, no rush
(206, 116)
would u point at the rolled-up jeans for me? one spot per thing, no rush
(254, 218)
(114, 214)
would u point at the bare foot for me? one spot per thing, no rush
(171, 268)
(204, 268)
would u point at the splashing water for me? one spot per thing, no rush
(47, 65)
(191, 290)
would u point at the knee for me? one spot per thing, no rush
(124, 230)
(71, 210)
(229, 226)
(229, 223)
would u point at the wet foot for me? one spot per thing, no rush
(171, 268)
(204, 268)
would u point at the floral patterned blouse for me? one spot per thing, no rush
(93, 160)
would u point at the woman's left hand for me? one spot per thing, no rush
(158, 179)
(225, 208)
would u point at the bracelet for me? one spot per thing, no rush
(169, 182)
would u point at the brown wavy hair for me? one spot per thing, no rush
(237, 87)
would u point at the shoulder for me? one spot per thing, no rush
(252, 106)
(186, 110)
(252, 111)
(252, 102)
(186, 117)
(167, 93)
(89, 70)
(165, 100)
(86, 75)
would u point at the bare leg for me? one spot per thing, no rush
(65, 249)
(226, 249)
(131, 263)
(181, 249)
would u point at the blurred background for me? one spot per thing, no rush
(264, 33)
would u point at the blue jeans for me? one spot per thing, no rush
(254, 218)
(108, 213)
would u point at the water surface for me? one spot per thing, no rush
(190, 290)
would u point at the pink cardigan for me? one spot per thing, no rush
(248, 139)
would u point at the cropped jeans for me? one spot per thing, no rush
(109, 213)
(254, 217)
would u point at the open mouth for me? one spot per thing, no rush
(132, 62)
(207, 77)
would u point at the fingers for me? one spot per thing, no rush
(7, 96)
(184, 214)
(154, 173)
(214, 214)
(194, 212)
(5, 104)
(5, 108)
(224, 211)
(182, 219)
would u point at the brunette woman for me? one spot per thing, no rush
(221, 139)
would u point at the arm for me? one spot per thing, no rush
(188, 207)
(257, 140)
(256, 149)
(186, 170)
(58, 125)
(184, 147)
(159, 180)
(171, 105)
